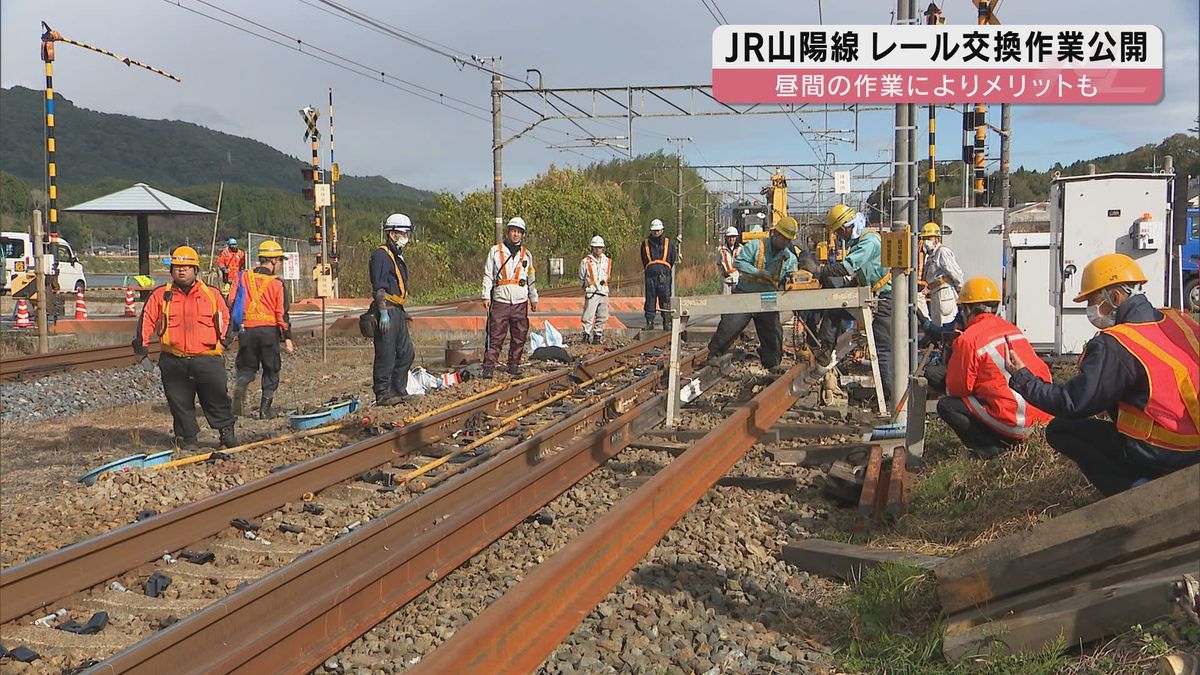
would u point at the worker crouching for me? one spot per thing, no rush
(509, 294)
(191, 321)
(594, 272)
(394, 353)
(260, 309)
(763, 265)
(979, 405)
(1140, 368)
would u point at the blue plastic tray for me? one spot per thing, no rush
(157, 458)
(123, 464)
(333, 411)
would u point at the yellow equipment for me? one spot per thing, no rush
(185, 255)
(802, 280)
(1108, 270)
(838, 216)
(930, 229)
(270, 249)
(777, 196)
(979, 289)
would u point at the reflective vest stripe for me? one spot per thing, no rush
(1170, 370)
(727, 261)
(515, 279)
(255, 311)
(396, 299)
(762, 259)
(592, 273)
(1020, 428)
(165, 337)
(666, 254)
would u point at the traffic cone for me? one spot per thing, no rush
(80, 306)
(23, 314)
(129, 308)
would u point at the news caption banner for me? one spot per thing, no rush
(937, 64)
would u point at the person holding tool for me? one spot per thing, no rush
(191, 321)
(594, 272)
(863, 266)
(988, 416)
(1140, 368)
(764, 265)
(394, 353)
(509, 294)
(659, 255)
(260, 310)
(725, 257)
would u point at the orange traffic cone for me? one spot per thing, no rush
(80, 306)
(129, 308)
(23, 314)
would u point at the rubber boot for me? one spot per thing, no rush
(650, 324)
(228, 439)
(239, 396)
(666, 319)
(265, 411)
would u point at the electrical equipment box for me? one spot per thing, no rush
(977, 238)
(1095, 214)
(1027, 287)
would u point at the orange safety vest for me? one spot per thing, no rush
(666, 254)
(396, 299)
(172, 346)
(517, 279)
(256, 313)
(592, 274)
(1169, 351)
(727, 259)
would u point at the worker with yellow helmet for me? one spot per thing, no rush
(763, 265)
(863, 266)
(1141, 369)
(191, 320)
(260, 310)
(942, 278)
(979, 406)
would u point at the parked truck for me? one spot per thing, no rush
(1191, 260)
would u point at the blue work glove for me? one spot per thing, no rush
(385, 319)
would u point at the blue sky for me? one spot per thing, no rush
(244, 85)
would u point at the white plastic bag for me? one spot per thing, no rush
(553, 337)
(535, 340)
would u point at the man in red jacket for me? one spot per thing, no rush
(979, 405)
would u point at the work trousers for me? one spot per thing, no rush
(935, 376)
(766, 324)
(658, 293)
(394, 355)
(506, 320)
(183, 379)
(881, 328)
(983, 441)
(1110, 460)
(259, 347)
(595, 314)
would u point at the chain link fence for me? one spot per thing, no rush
(299, 261)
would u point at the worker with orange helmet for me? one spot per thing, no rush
(191, 320)
(260, 310)
(979, 406)
(1140, 368)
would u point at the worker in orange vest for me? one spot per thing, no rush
(191, 321)
(1140, 368)
(509, 294)
(260, 309)
(725, 257)
(979, 406)
(659, 255)
(594, 272)
(230, 261)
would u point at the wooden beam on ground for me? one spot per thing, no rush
(1158, 515)
(816, 455)
(1079, 619)
(848, 561)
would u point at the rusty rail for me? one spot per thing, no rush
(97, 358)
(295, 618)
(518, 631)
(37, 583)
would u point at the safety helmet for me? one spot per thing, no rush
(397, 222)
(1109, 269)
(931, 229)
(979, 289)
(731, 231)
(787, 226)
(270, 249)
(839, 216)
(184, 256)
(656, 225)
(517, 223)
(232, 241)
(597, 241)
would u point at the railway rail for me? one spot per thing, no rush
(535, 429)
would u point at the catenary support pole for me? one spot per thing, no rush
(497, 148)
(900, 223)
(39, 283)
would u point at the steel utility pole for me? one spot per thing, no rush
(39, 282)
(901, 214)
(1005, 141)
(679, 141)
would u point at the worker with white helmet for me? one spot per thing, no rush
(725, 257)
(659, 255)
(510, 294)
(594, 272)
(394, 353)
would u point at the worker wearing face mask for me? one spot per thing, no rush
(1140, 368)
(394, 353)
(942, 276)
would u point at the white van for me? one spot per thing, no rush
(16, 250)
